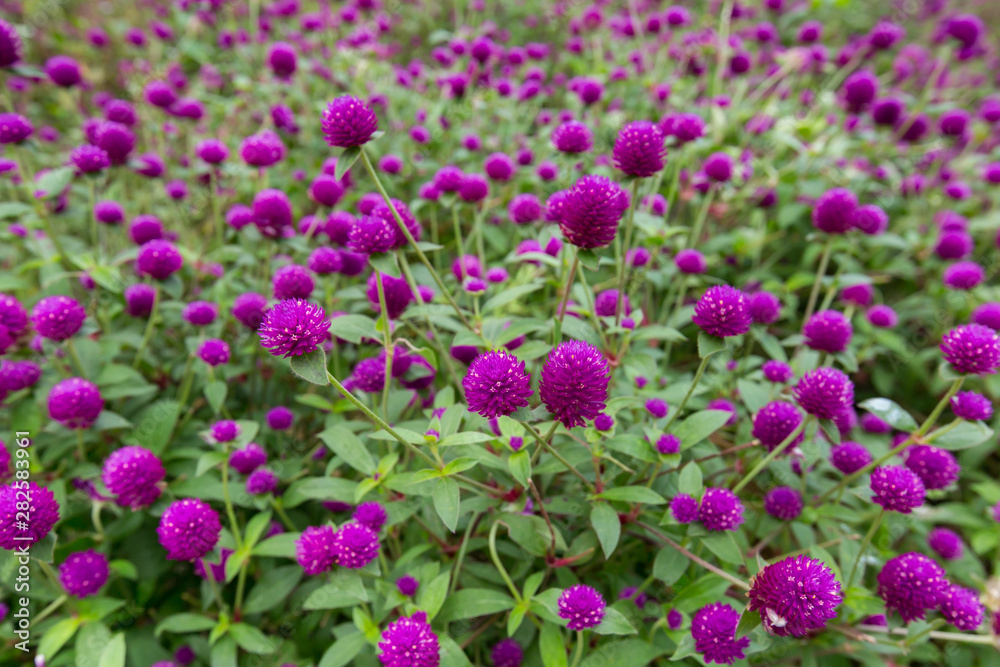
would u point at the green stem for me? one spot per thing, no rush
(579, 649)
(551, 450)
(499, 565)
(939, 408)
(561, 312)
(53, 606)
(214, 585)
(773, 454)
(694, 559)
(824, 261)
(456, 567)
(241, 583)
(694, 383)
(279, 509)
(623, 263)
(149, 327)
(864, 545)
(75, 356)
(699, 223)
(228, 501)
(387, 342)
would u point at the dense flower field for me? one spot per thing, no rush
(543, 333)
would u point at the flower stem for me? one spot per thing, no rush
(499, 565)
(149, 328)
(227, 500)
(579, 648)
(700, 561)
(864, 545)
(694, 383)
(623, 263)
(551, 450)
(699, 223)
(824, 261)
(772, 455)
(567, 288)
(387, 342)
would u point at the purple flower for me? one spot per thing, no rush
(397, 294)
(971, 406)
(882, 316)
(860, 88)
(828, 331)
(214, 352)
(794, 596)
(272, 213)
(116, 140)
(189, 529)
(348, 122)
(775, 422)
(133, 475)
(407, 585)
(261, 481)
(897, 489)
(282, 59)
(912, 584)
(371, 234)
(850, 457)
(668, 444)
(961, 607)
(315, 550)
(783, 502)
(603, 422)
(714, 630)
(765, 308)
(370, 514)
(83, 573)
(639, 149)
(14, 128)
(722, 311)
(777, 371)
(279, 418)
(263, 149)
(497, 384)
(200, 313)
(834, 211)
(225, 430)
(75, 403)
(972, 349)
(42, 508)
(824, 392)
(507, 653)
(10, 44)
(292, 282)
(356, 545)
(18, 375)
(720, 509)
(293, 327)
(249, 309)
(582, 606)
(963, 275)
(524, 208)
(718, 167)
(58, 317)
(139, 300)
(591, 211)
(572, 137)
(158, 259)
(946, 543)
(248, 459)
(684, 508)
(606, 303)
(988, 315)
(690, 261)
(410, 642)
(936, 468)
(63, 71)
(574, 385)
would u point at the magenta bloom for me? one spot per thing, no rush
(58, 317)
(961, 607)
(83, 573)
(249, 309)
(407, 585)
(348, 122)
(248, 459)
(507, 653)
(971, 406)
(897, 489)
(684, 508)
(158, 259)
(714, 630)
(572, 137)
(765, 308)
(911, 584)
(963, 275)
(293, 327)
(214, 352)
(582, 606)
(410, 642)
(777, 371)
(946, 543)
(722, 311)
(75, 403)
(690, 261)
(972, 349)
(850, 457)
(261, 481)
(292, 282)
(133, 474)
(828, 331)
(783, 502)
(497, 384)
(574, 385)
(315, 551)
(189, 529)
(10, 44)
(371, 234)
(775, 422)
(794, 596)
(720, 509)
(370, 514)
(356, 545)
(936, 468)
(824, 392)
(591, 211)
(639, 149)
(834, 211)
(42, 508)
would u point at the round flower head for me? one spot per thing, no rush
(690, 261)
(262, 150)
(572, 137)
(591, 211)
(200, 313)
(407, 585)
(279, 418)
(794, 596)
(75, 403)
(777, 371)
(524, 208)
(935, 467)
(574, 385)
(824, 392)
(348, 122)
(133, 475)
(720, 509)
(961, 607)
(765, 308)
(724, 405)
(370, 514)
(58, 317)
(507, 653)
(606, 303)
(722, 311)
(293, 327)
(497, 384)
(10, 44)
(987, 315)
(897, 489)
(714, 630)
(657, 407)
(783, 502)
(410, 642)
(371, 234)
(828, 331)
(83, 573)
(116, 140)
(850, 457)
(63, 71)
(954, 245)
(911, 584)
(972, 349)
(398, 294)
(189, 529)
(718, 167)
(225, 430)
(639, 149)
(946, 543)
(382, 210)
(356, 545)
(882, 316)
(158, 259)
(684, 508)
(774, 422)
(272, 213)
(292, 282)
(667, 444)
(582, 606)
(871, 219)
(282, 59)
(214, 352)
(860, 89)
(834, 211)
(14, 128)
(315, 551)
(139, 299)
(248, 459)
(963, 275)
(971, 406)
(43, 510)
(249, 309)
(18, 375)
(261, 481)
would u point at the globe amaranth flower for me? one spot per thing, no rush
(724, 405)
(963, 275)
(14, 128)
(315, 551)
(714, 630)
(777, 371)
(912, 584)
(824, 392)
(639, 149)
(282, 59)
(263, 149)
(356, 545)
(43, 510)
(398, 294)
(946, 543)
(684, 508)
(775, 422)
(58, 317)
(871, 219)
(249, 309)
(261, 481)
(606, 303)
(591, 211)
(828, 331)
(572, 137)
(158, 259)
(83, 573)
(668, 444)
(145, 228)
(293, 327)
(139, 299)
(690, 261)
(292, 282)
(10, 44)
(117, 140)
(347, 122)
(794, 596)
(720, 509)
(133, 475)
(371, 234)
(764, 307)
(224, 430)
(524, 208)
(961, 607)
(972, 349)
(200, 313)
(850, 457)
(971, 406)
(214, 352)
(718, 167)
(279, 418)
(582, 606)
(897, 489)
(272, 213)
(988, 315)
(407, 585)
(189, 529)
(507, 653)
(936, 468)
(657, 407)
(370, 514)
(722, 311)
(882, 316)
(574, 385)
(248, 459)
(16, 375)
(75, 403)
(834, 211)
(409, 642)
(497, 384)
(409, 221)
(783, 502)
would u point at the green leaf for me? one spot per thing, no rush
(753, 394)
(614, 623)
(748, 621)
(724, 547)
(515, 618)
(705, 589)
(633, 494)
(552, 646)
(891, 413)
(709, 345)
(690, 480)
(154, 426)
(319, 488)
(963, 436)
(700, 425)
(330, 596)
(57, 636)
(184, 623)
(829, 428)
(224, 653)
(311, 367)
(272, 589)
(660, 333)
(466, 438)
(215, 393)
(509, 295)
(519, 464)
(90, 642)
(252, 640)
(452, 654)
(353, 328)
(256, 527)
(52, 183)
(384, 263)
(447, 497)
(589, 259)
(344, 650)
(279, 546)
(235, 563)
(669, 565)
(114, 653)
(346, 160)
(629, 652)
(349, 447)
(531, 585)
(605, 521)
(474, 602)
(432, 596)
